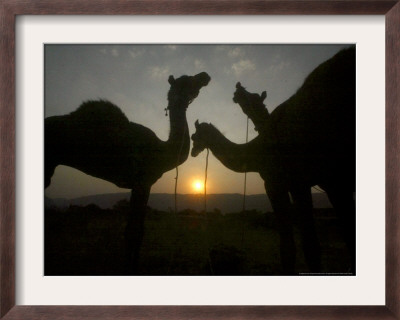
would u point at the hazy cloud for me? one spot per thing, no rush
(110, 51)
(243, 66)
(136, 53)
(159, 72)
(236, 52)
(278, 67)
(171, 47)
(114, 52)
(199, 64)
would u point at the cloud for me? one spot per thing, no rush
(159, 72)
(278, 67)
(114, 52)
(199, 64)
(231, 52)
(107, 51)
(236, 52)
(136, 53)
(171, 47)
(243, 66)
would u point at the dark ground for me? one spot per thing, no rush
(89, 241)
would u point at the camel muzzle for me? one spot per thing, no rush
(195, 152)
(203, 78)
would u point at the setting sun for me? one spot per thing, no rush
(198, 186)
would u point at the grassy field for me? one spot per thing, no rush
(89, 241)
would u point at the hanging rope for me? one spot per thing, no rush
(176, 189)
(177, 161)
(245, 185)
(205, 182)
(245, 174)
(175, 218)
(176, 196)
(177, 171)
(206, 216)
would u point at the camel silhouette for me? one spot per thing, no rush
(99, 140)
(252, 105)
(308, 140)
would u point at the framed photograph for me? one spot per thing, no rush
(95, 86)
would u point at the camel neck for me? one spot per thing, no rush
(260, 120)
(178, 142)
(237, 157)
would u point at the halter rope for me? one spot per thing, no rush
(245, 184)
(205, 212)
(205, 182)
(245, 174)
(176, 189)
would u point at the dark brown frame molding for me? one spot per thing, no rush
(9, 9)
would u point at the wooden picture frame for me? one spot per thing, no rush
(9, 9)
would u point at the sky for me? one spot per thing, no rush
(135, 78)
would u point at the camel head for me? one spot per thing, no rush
(200, 138)
(252, 104)
(185, 89)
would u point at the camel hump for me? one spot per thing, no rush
(337, 72)
(100, 111)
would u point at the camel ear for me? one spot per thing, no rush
(263, 95)
(238, 85)
(171, 79)
(196, 124)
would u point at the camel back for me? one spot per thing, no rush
(321, 114)
(100, 111)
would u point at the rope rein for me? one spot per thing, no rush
(205, 182)
(206, 215)
(245, 185)
(176, 191)
(245, 174)
(177, 162)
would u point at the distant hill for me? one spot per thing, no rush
(226, 203)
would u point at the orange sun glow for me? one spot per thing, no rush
(198, 186)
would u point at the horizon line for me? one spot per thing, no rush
(172, 194)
